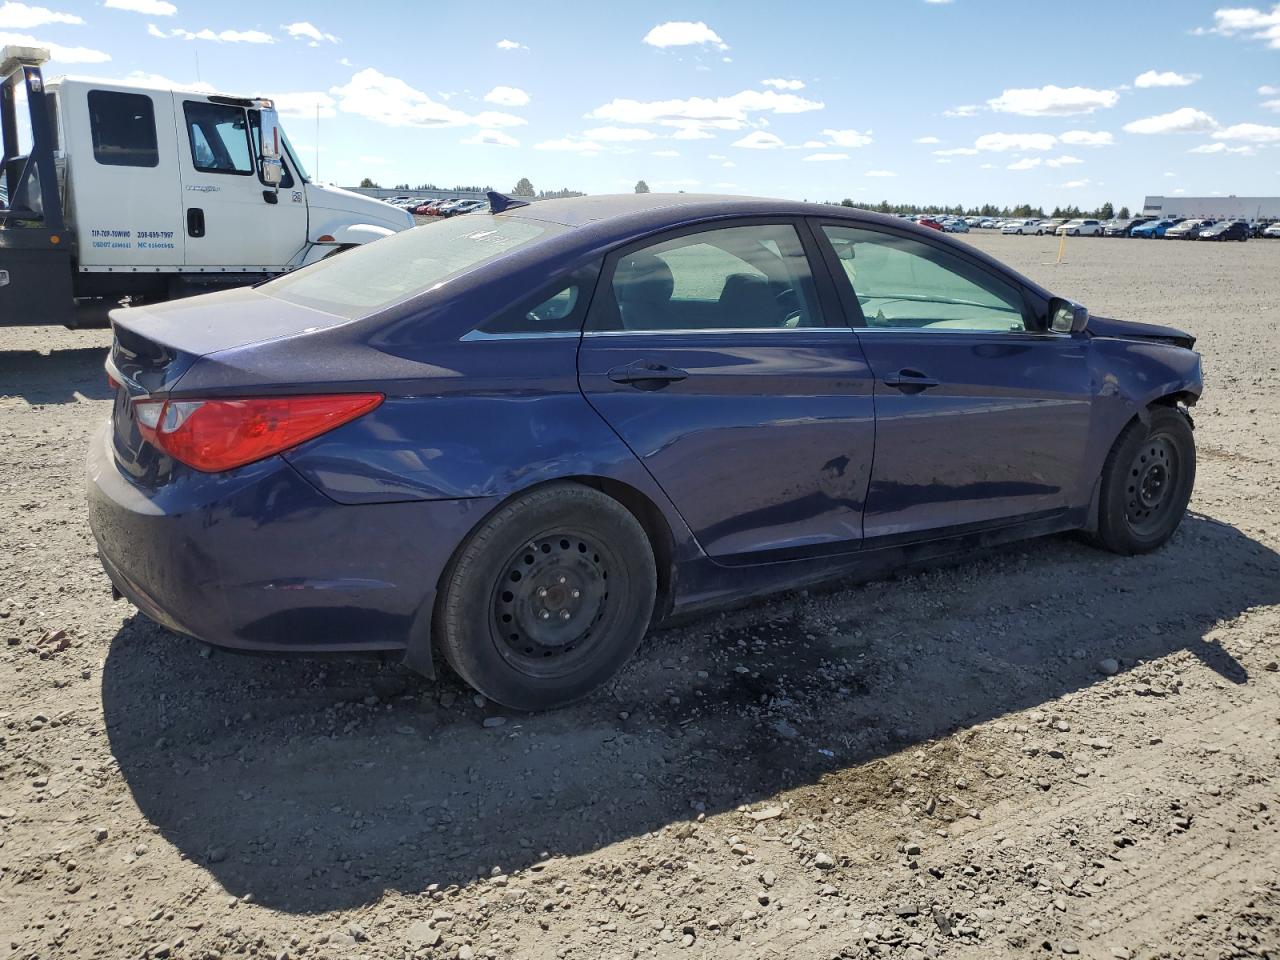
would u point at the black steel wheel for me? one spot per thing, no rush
(1147, 482)
(547, 598)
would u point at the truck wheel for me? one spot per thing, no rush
(1146, 483)
(547, 598)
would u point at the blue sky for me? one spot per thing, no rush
(927, 101)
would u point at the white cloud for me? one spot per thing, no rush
(1001, 142)
(1075, 184)
(1250, 132)
(728, 163)
(759, 140)
(781, 84)
(155, 31)
(666, 153)
(507, 97)
(1087, 138)
(1052, 101)
(1221, 147)
(821, 157)
(392, 102)
(56, 50)
(511, 45)
(1065, 160)
(619, 134)
(988, 166)
(152, 8)
(306, 31)
(1168, 78)
(1184, 120)
(495, 138)
(847, 138)
(1026, 163)
(305, 105)
(1170, 174)
(1273, 105)
(223, 36)
(157, 81)
(720, 113)
(956, 152)
(881, 173)
(588, 148)
(1253, 23)
(720, 156)
(964, 110)
(692, 133)
(19, 16)
(813, 145)
(683, 33)
(1266, 90)
(927, 140)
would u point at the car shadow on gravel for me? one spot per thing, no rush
(316, 785)
(60, 376)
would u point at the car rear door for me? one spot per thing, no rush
(982, 416)
(724, 364)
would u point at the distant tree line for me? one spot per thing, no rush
(1104, 212)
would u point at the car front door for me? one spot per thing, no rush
(982, 414)
(725, 366)
(232, 218)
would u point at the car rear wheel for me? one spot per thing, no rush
(547, 598)
(1146, 483)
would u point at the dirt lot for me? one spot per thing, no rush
(1042, 750)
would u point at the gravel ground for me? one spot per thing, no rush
(1041, 750)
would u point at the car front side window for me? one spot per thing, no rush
(903, 283)
(735, 278)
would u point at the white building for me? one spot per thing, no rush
(1218, 208)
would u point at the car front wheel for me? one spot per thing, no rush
(1146, 483)
(547, 598)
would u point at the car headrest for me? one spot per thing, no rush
(643, 277)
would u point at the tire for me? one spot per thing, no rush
(547, 598)
(1146, 483)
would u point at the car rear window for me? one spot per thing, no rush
(369, 278)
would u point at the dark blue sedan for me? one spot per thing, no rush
(523, 437)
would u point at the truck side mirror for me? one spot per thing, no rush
(271, 171)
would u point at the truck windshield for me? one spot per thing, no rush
(294, 158)
(370, 278)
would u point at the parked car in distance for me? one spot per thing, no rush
(955, 226)
(464, 206)
(1153, 229)
(522, 437)
(930, 222)
(1187, 229)
(1272, 231)
(1021, 227)
(1120, 228)
(1080, 228)
(1050, 226)
(1225, 230)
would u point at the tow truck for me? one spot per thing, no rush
(116, 193)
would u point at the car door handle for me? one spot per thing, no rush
(909, 381)
(646, 375)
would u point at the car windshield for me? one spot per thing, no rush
(375, 276)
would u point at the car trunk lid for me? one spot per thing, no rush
(155, 346)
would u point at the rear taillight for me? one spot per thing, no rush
(213, 435)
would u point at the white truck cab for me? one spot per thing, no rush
(158, 193)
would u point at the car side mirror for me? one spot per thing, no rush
(1067, 316)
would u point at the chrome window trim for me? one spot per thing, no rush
(712, 331)
(532, 335)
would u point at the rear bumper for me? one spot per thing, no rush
(258, 559)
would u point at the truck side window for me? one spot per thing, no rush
(123, 129)
(219, 138)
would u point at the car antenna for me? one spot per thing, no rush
(499, 202)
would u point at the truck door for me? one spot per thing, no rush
(232, 217)
(123, 176)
